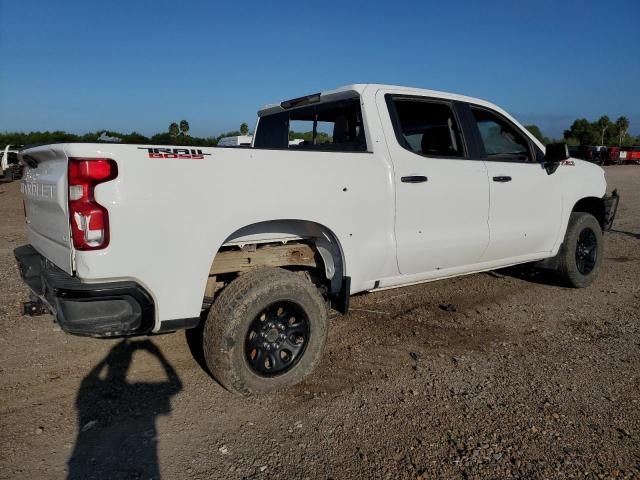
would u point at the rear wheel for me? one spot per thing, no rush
(266, 330)
(581, 252)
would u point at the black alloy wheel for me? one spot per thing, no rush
(277, 338)
(266, 330)
(580, 255)
(586, 251)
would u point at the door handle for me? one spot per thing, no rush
(502, 179)
(414, 179)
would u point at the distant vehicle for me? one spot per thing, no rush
(582, 152)
(600, 154)
(613, 155)
(594, 154)
(574, 151)
(245, 141)
(630, 154)
(10, 167)
(237, 141)
(106, 138)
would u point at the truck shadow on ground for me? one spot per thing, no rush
(630, 234)
(531, 274)
(193, 337)
(117, 435)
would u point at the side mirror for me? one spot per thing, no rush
(555, 153)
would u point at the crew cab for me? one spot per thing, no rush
(251, 247)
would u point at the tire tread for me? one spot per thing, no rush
(226, 316)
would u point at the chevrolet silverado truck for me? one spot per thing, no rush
(252, 247)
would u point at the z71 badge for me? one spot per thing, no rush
(183, 153)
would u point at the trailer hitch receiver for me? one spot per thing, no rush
(34, 307)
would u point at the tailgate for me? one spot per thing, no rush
(44, 189)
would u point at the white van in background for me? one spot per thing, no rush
(237, 141)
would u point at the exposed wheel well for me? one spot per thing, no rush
(296, 245)
(594, 206)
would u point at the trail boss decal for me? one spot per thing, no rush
(184, 153)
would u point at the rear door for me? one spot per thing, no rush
(44, 189)
(526, 204)
(442, 196)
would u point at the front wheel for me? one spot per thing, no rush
(581, 252)
(266, 330)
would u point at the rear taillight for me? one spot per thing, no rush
(89, 220)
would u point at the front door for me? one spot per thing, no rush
(525, 213)
(442, 196)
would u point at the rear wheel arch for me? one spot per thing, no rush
(325, 239)
(290, 232)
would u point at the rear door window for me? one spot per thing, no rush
(426, 127)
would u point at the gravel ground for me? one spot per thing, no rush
(517, 378)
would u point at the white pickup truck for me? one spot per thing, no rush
(254, 245)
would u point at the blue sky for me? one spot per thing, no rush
(82, 66)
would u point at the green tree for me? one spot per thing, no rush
(321, 137)
(622, 126)
(244, 129)
(174, 129)
(535, 131)
(184, 128)
(585, 132)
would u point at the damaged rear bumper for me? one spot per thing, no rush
(109, 309)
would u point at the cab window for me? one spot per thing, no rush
(332, 126)
(426, 127)
(500, 139)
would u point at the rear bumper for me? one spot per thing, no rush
(111, 309)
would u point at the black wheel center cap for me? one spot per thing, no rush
(276, 338)
(272, 335)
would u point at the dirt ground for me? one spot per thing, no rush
(521, 378)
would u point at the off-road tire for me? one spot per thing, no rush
(567, 264)
(231, 315)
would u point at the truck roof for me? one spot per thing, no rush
(357, 89)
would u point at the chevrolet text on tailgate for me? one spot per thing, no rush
(250, 247)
